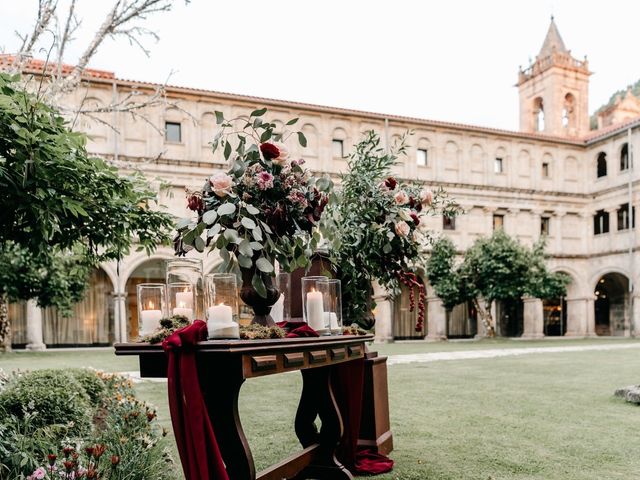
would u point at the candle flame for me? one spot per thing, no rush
(150, 306)
(221, 303)
(313, 290)
(181, 305)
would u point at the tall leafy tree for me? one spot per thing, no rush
(63, 211)
(494, 268)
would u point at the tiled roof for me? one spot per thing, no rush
(39, 66)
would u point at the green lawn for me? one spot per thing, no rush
(546, 416)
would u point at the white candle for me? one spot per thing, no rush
(182, 310)
(315, 311)
(331, 319)
(149, 320)
(184, 299)
(277, 311)
(220, 322)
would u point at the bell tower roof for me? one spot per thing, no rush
(552, 42)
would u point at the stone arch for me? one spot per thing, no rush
(611, 304)
(451, 152)
(138, 259)
(524, 163)
(311, 133)
(476, 157)
(624, 157)
(571, 169)
(92, 125)
(569, 112)
(595, 277)
(538, 120)
(207, 128)
(601, 165)
(576, 288)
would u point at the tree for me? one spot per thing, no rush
(494, 268)
(63, 211)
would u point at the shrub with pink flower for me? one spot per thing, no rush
(264, 208)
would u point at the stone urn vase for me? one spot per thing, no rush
(261, 306)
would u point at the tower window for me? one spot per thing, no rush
(545, 223)
(498, 165)
(498, 222)
(538, 114)
(568, 117)
(338, 148)
(623, 217)
(601, 222)
(448, 222)
(545, 169)
(624, 157)
(602, 165)
(421, 157)
(173, 132)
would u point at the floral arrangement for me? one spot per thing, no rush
(263, 209)
(377, 229)
(166, 328)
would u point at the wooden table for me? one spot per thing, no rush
(224, 365)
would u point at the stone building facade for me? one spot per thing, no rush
(554, 177)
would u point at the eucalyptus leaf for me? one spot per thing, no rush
(219, 117)
(257, 234)
(209, 217)
(258, 284)
(244, 261)
(302, 140)
(259, 112)
(266, 135)
(226, 209)
(199, 244)
(256, 246)
(227, 150)
(248, 223)
(183, 223)
(213, 231)
(231, 235)
(292, 121)
(245, 248)
(252, 210)
(264, 265)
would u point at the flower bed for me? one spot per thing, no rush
(75, 424)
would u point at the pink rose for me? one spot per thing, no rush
(402, 228)
(401, 198)
(283, 157)
(426, 197)
(39, 474)
(221, 184)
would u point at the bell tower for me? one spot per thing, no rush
(554, 90)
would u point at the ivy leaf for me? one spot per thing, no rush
(226, 209)
(258, 284)
(258, 113)
(252, 210)
(248, 223)
(244, 261)
(264, 265)
(209, 217)
(219, 117)
(302, 140)
(292, 121)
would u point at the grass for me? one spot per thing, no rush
(546, 416)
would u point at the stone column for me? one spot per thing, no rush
(436, 319)
(533, 318)
(383, 315)
(489, 211)
(557, 230)
(120, 316)
(536, 219)
(635, 316)
(34, 327)
(591, 317)
(576, 317)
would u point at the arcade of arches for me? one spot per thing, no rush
(99, 317)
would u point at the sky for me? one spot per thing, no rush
(454, 60)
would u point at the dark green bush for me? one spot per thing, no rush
(55, 396)
(92, 384)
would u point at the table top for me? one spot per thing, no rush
(250, 346)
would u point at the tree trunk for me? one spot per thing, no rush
(485, 316)
(5, 325)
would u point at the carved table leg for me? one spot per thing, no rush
(221, 397)
(317, 400)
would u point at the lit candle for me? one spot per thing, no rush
(184, 299)
(315, 311)
(183, 310)
(149, 319)
(220, 322)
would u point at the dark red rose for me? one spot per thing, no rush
(391, 183)
(269, 151)
(415, 218)
(195, 203)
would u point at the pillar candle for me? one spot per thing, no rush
(149, 321)
(315, 310)
(184, 299)
(183, 310)
(220, 322)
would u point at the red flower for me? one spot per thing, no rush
(52, 458)
(68, 465)
(89, 451)
(415, 218)
(391, 183)
(269, 151)
(151, 416)
(99, 450)
(195, 203)
(115, 460)
(67, 451)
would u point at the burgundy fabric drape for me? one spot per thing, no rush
(197, 444)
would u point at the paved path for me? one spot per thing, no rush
(466, 355)
(501, 352)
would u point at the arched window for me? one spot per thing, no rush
(568, 111)
(538, 114)
(602, 165)
(624, 157)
